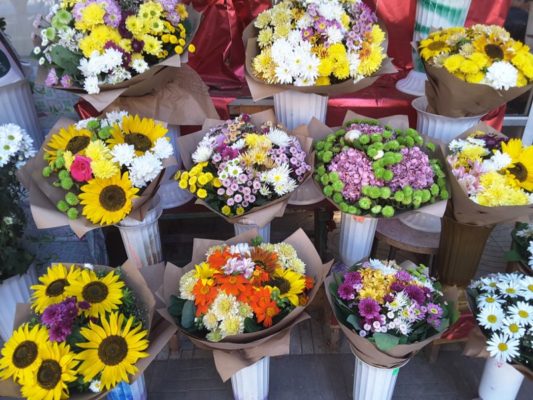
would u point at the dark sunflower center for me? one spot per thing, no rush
(494, 51)
(49, 374)
(281, 283)
(519, 171)
(25, 354)
(95, 292)
(140, 141)
(56, 288)
(112, 198)
(113, 350)
(435, 46)
(78, 143)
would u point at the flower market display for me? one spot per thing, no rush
(481, 64)
(368, 169)
(86, 334)
(89, 44)
(239, 166)
(317, 43)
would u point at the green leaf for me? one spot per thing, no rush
(66, 59)
(251, 326)
(354, 321)
(512, 255)
(187, 315)
(176, 307)
(385, 341)
(453, 313)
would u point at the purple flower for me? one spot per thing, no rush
(51, 78)
(346, 291)
(66, 81)
(414, 170)
(137, 45)
(369, 308)
(415, 293)
(51, 315)
(59, 318)
(397, 286)
(352, 278)
(403, 276)
(434, 310)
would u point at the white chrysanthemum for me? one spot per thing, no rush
(162, 148)
(279, 137)
(309, 70)
(381, 266)
(296, 265)
(281, 51)
(238, 145)
(295, 37)
(90, 66)
(139, 65)
(502, 348)
(491, 317)
(82, 124)
(187, 283)
(501, 75)
(240, 248)
(305, 21)
(497, 162)
(522, 313)
(114, 118)
(334, 35)
(245, 310)
(90, 85)
(474, 141)
(278, 175)
(330, 10)
(512, 328)
(15, 145)
(284, 74)
(210, 321)
(224, 306)
(144, 169)
(352, 135)
(232, 325)
(123, 153)
(283, 188)
(264, 190)
(457, 145)
(111, 59)
(119, 74)
(201, 154)
(399, 302)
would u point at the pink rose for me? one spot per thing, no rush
(81, 169)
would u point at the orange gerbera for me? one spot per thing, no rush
(264, 307)
(233, 284)
(218, 258)
(268, 260)
(309, 282)
(204, 294)
(259, 276)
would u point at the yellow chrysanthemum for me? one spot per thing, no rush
(97, 150)
(112, 350)
(323, 81)
(150, 10)
(91, 16)
(371, 59)
(454, 62)
(377, 35)
(55, 370)
(497, 191)
(480, 59)
(136, 26)
(103, 294)
(523, 61)
(21, 353)
(51, 289)
(152, 45)
(475, 78)
(97, 39)
(67, 139)
(289, 283)
(107, 201)
(469, 67)
(142, 133)
(104, 169)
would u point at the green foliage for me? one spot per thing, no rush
(251, 326)
(187, 314)
(385, 341)
(66, 60)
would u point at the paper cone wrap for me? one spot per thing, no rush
(452, 97)
(466, 211)
(260, 215)
(260, 89)
(160, 330)
(239, 351)
(43, 196)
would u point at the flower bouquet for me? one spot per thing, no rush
(503, 306)
(520, 257)
(16, 270)
(244, 169)
(241, 299)
(474, 70)
(113, 47)
(388, 312)
(85, 332)
(369, 169)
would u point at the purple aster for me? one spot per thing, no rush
(51, 315)
(346, 291)
(414, 170)
(434, 310)
(403, 276)
(369, 308)
(66, 81)
(352, 278)
(415, 293)
(397, 286)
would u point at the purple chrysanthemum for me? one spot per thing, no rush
(414, 170)
(415, 293)
(397, 286)
(352, 278)
(369, 308)
(403, 276)
(346, 291)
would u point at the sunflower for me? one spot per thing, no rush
(141, 133)
(433, 46)
(268, 260)
(494, 48)
(107, 201)
(51, 290)
(289, 283)
(70, 139)
(103, 294)
(112, 349)
(521, 170)
(20, 354)
(55, 370)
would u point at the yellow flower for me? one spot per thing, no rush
(325, 68)
(69, 159)
(377, 34)
(226, 210)
(136, 26)
(97, 150)
(70, 139)
(51, 287)
(104, 169)
(205, 273)
(281, 31)
(371, 60)
(480, 59)
(469, 67)
(239, 211)
(475, 78)
(434, 45)
(201, 193)
(453, 63)
(498, 192)
(323, 81)
(142, 133)
(217, 183)
(150, 10)
(265, 37)
(520, 82)
(289, 283)
(521, 171)
(191, 48)
(345, 20)
(151, 45)
(91, 16)
(97, 39)
(263, 19)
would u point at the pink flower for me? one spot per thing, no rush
(51, 78)
(414, 170)
(81, 169)
(66, 81)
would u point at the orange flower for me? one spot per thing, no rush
(203, 296)
(264, 307)
(218, 258)
(233, 284)
(309, 282)
(268, 260)
(259, 276)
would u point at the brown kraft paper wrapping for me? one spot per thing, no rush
(319, 131)
(476, 346)
(260, 90)
(236, 352)
(452, 97)
(366, 351)
(261, 215)
(466, 211)
(44, 196)
(139, 85)
(160, 330)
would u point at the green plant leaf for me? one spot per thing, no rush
(512, 255)
(251, 326)
(353, 321)
(176, 307)
(66, 59)
(187, 315)
(385, 341)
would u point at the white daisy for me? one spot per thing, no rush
(233, 168)
(509, 288)
(491, 317)
(512, 328)
(522, 313)
(309, 70)
(162, 148)
(489, 284)
(279, 137)
(501, 75)
(488, 299)
(526, 287)
(202, 154)
(95, 386)
(497, 162)
(283, 188)
(502, 348)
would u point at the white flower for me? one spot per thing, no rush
(110, 60)
(233, 169)
(37, 50)
(526, 287)
(381, 266)
(90, 66)
(278, 175)
(522, 313)
(123, 153)
(362, 333)
(279, 137)
(352, 135)
(457, 145)
(82, 124)
(530, 250)
(509, 288)
(232, 325)
(240, 248)
(331, 10)
(353, 62)
(489, 284)
(238, 145)
(497, 162)
(301, 81)
(144, 169)
(265, 191)
(162, 148)
(139, 65)
(210, 321)
(95, 386)
(501, 75)
(491, 317)
(187, 282)
(305, 21)
(201, 154)
(91, 85)
(502, 348)
(526, 232)
(334, 35)
(224, 305)
(512, 328)
(15, 145)
(114, 118)
(399, 302)
(283, 188)
(42, 61)
(488, 299)
(283, 74)
(119, 74)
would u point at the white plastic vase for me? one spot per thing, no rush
(357, 236)
(132, 391)
(251, 383)
(499, 382)
(440, 127)
(264, 231)
(372, 383)
(142, 239)
(170, 193)
(16, 289)
(430, 14)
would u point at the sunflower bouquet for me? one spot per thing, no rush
(240, 165)
(94, 45)
(85, 333)
(388, 311)
(503, 306)
(370, 169)
(474, 70)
